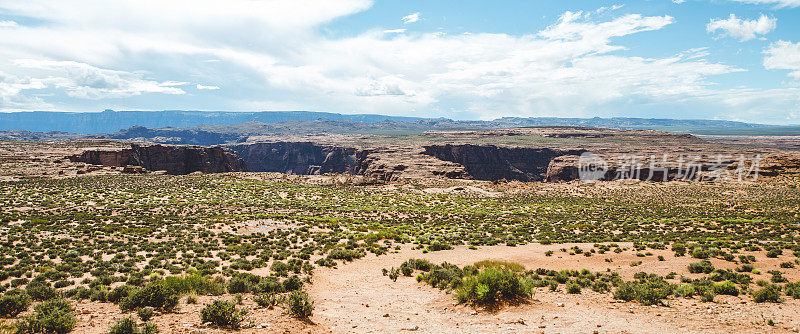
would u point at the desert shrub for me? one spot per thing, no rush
(62, 284)
(154, 294)
(221, 313)
(499, 265)
(438, 246)
(446, 276)
(491, 286)
(40, 290)
(774, 252)
(684, 291)
(600, 286)
(325, 262)
(653, 292)
(793, 290)
(145, 313)
(625, 291)
(299, 305)
(418, 264)
(679, 249)
(119, 293)
(573, 288)
(269, 284)
(702, 267)
(269, 300)
(129, 326)
(769, 293)
(726, 288)
(700, 253)
(648, 291)
(708, 296)
(406, 271)
(345, 254)
(124, 326)
(787, 265)
(53, 316)
(194, 283)
(14, 302)
(240, 284)
(292, 283)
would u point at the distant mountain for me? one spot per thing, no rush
(111, 121)
(229, 126)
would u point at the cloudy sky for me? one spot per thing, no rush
(462, 59)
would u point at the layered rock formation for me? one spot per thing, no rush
(489, 162)
(170, 158)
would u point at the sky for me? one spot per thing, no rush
(460, 59)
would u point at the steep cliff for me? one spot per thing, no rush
(489, 162)
(170, 158)
(303, 158)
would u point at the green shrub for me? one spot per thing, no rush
(154, 294)
(625, 291)
(292, 283)
(491, 286)
(240, 284)
(221, 313)
(40, 290)
(438, 246)
(124, 326)
(268, 300)
(726, 288)
(684, 291)
(775, 252)
(708, 296)
(14, 302)
(769, 293)
(120, 292)
(573, 288)
(269, 284)
(299, 305)
(129, 326)
(145, 313)
(650, 291)
(53, 316)
(702, 267)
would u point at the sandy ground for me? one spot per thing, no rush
(355, 297)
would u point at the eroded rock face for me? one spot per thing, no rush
(170, 158)
(303, 158)
(489, 162)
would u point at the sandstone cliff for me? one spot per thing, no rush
(169, 158)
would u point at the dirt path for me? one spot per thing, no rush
(355, 297)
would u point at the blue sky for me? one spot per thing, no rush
(712, 59)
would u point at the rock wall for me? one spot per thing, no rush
(302, 158)
(489, 162)
(169, 158)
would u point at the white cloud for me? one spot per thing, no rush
(410, 18)
(743, 30)
(608, 9)
(8, 24)
(275, 55)
(85, 81)
(204, 87)
(783, 55)
(777, 3)
(678, 1)
(394, 31)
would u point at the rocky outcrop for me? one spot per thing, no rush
(489, 162)
(302, 158)
(169, 158)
